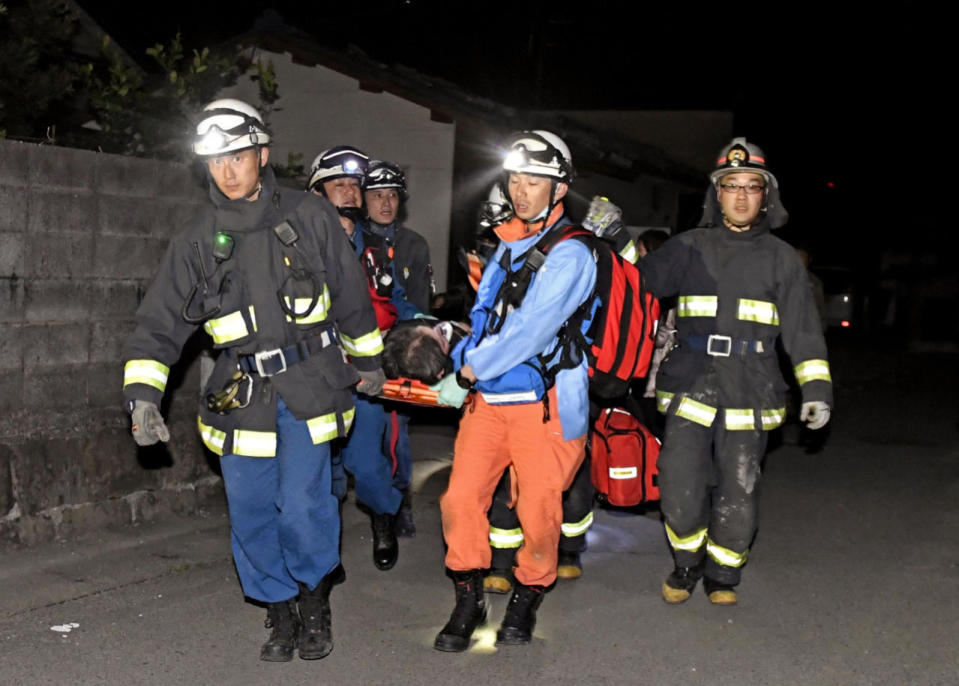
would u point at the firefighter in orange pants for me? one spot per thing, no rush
(527, 413)
(544, 468)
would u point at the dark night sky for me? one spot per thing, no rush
(830, 98)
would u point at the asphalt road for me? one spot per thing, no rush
(854, 579)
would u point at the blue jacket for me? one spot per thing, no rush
(505, 363)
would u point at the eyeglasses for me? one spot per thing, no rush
(751, 188)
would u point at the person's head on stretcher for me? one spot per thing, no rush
(419, 349)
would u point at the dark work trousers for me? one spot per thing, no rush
(506, 534)
(709, 488)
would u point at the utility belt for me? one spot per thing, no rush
(278, 360)
(238, 391)
(725, 346)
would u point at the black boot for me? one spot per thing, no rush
(404, 526)
(283, 620)
(680, 583)
(316, 629)
(469, 613)
(517, 627)
(385, 546)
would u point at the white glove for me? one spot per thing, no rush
(371, 383)
(148, 426)
(815, 413)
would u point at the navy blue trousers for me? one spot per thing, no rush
(284, 518)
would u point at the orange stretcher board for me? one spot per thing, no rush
(409, 391)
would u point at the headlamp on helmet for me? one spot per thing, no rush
(539, 153)
(335, 163)
(381, 174)
(228, 125)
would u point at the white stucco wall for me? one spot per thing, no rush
(319, 108)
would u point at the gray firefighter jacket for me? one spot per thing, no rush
(738, 292)
(238, 302)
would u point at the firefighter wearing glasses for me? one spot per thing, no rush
(271, 278)
(740, 288)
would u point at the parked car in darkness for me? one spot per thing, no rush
(839, 294)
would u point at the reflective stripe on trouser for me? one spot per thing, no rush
(284, 520)
(363, 457)
(489, 439)
(577, 518)
(708, 483)
(505, 538)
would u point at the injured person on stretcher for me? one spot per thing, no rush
(419, 349)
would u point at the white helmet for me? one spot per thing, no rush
(229, 125)
(540, 153)
(337, 162)
(495, 210)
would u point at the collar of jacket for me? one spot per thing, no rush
(518, 248)
(388, 231)
(516, 229)
(761, 227)
(242, 214)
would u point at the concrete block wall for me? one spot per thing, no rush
(81, 235)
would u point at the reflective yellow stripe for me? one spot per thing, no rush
(254, 443)
(577, 528)
(697, 306)
(630, 253)
(149, 372)
(690, 543)
(322, 428)
(758, 311)
(364, 346)
(212, 438)
(812, 370)
(232, 327)
(725, 556)
(740, 420)
(773, 418)
(253, 318)
(505, 538)
(663, 398)
(317, 314)
(695, 411)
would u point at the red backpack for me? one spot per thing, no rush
(624, 454)
(621, 337)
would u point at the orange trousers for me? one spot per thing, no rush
(490, 439)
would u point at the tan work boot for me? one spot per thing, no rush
(679, 585)
(719, 594)
(498, 581)
(569, 566)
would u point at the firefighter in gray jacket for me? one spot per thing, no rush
(272, 279)
(739, 289)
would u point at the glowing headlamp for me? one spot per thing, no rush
(351, 166)
(517, 158)
(214, 139)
